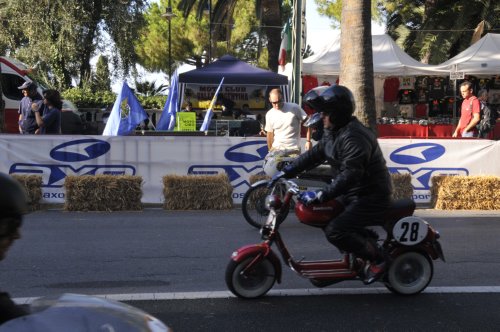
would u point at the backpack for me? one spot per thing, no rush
(488, 119)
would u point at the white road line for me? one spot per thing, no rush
(278, 292)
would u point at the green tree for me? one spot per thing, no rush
(436, 30)
(431, 31)
(269, 12)
(61, 37)
(102, 76)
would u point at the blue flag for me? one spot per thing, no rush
(167, 119)
(126, 115)
(210, 113)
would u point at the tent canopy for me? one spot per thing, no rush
(388, 59)
(482, 57)
(234, 71)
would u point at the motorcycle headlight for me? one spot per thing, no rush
(273, 202)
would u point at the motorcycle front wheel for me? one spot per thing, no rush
(253, 205)
(409, 273)
(252, 283)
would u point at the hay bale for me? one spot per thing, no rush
(257, 177)
(465, 192)
(197, 192)
(402, 186)
(33, 186)
(103, 193)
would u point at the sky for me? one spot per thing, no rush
(318, 26)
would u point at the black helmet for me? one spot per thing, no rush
(337, 101)
(13, 200)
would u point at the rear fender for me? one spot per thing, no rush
(431, 250)
(263, 250)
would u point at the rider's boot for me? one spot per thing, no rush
(376, 267)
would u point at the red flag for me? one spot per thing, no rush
(286, 46)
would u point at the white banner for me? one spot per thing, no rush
(152, 157)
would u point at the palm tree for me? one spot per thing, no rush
(356, 58)
(269, 12)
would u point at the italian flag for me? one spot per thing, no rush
(286, 45)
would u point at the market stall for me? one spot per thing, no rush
(243, 83)
(412, 98)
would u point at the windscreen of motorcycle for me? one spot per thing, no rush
(410, 231)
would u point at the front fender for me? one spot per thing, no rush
(259, 183)
(264, 251)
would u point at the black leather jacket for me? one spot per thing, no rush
(357, 164)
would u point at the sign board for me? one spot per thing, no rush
(186, 121)
(457, 75)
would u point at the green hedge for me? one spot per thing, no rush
(85, 98)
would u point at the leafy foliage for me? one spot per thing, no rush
(60, 37)
(102, 76)
(85, 98)
(149, 88)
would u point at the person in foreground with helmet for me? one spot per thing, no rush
(12, 207)
(361, 180)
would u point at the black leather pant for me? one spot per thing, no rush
(346, 231)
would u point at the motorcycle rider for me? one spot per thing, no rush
(13, 205)
(361, 180)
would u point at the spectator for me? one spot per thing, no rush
(27, 119)
(189, 107)
(245, 110)
(13, 205)
(283, 122)
(469, 113)
(50, 122)
(227, 105)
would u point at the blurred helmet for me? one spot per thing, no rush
(13, 199)
(314, 121)
(336, 101)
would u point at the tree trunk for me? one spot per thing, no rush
(356, 60)
(271, 20)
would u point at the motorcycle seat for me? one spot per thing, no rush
(399, 209)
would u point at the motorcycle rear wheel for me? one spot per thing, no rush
(409, 274)
(253, 205)
(255, 282)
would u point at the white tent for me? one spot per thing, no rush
(388, 59)
(482, 57)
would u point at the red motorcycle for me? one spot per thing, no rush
(411, 245)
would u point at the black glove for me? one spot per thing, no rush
(289, 171)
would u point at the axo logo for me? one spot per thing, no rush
(247, 152)
(73, 158)
(422, 153)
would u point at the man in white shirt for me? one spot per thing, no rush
(283, 122)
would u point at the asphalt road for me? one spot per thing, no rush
(183, 254)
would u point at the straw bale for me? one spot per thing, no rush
(257, 177)
(33, 186)
(103, 193)
(465, 192)
(402, 186)
(197, 192)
